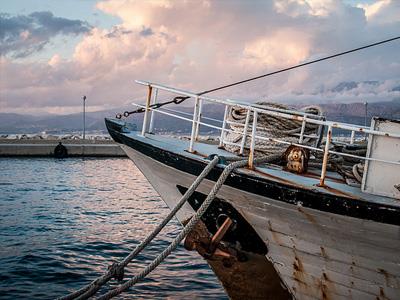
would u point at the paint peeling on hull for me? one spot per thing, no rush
(329, 247)
(244, 275)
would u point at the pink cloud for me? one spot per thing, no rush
(197, 45)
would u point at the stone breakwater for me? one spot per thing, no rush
(24, 145)
(50, 137)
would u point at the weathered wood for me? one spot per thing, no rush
(342, 257)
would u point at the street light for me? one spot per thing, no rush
(84, 117)
(366, 117)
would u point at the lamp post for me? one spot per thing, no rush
(84, 117)
(366, 117)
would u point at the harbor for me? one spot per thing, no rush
(63, 220)
(200, 150)
(46, 147)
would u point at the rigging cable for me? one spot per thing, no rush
(300, 65)
(180, 99)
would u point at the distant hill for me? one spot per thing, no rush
(18, 123)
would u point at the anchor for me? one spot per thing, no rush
(210, 248)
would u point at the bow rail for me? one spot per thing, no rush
(198, 120)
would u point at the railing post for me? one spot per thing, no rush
(146, 111)
(253, 140)
(326, 153)
(199, 119)
(303, 127)
(194, 124)
(221, 139)
(246, 125)
(152, 112)
(352, 137)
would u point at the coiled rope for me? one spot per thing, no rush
(268, 126)
(193, 221)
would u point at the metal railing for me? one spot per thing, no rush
(197, 120)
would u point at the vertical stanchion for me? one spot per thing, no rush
(303, 127)
(199, 119)
(195, 118)
(146, 111)
(352, 137)
(84, 117)
(221, 139)
(151, 127)
(326, 153)
(253, 140)
(246, 126)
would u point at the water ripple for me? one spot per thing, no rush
(62, 222)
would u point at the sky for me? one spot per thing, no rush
(54, 52)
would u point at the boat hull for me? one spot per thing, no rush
(310, 254)
(317, 254)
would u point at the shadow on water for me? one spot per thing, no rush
(62, 222)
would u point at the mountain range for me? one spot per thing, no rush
(11, 123)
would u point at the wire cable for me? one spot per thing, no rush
(300, 65)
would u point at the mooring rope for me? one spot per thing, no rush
(358, 170)
(117, 269)
(193, 221)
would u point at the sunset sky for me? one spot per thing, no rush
(53, 52)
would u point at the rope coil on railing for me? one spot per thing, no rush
(271, 127)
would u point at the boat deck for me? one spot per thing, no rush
(334, 184)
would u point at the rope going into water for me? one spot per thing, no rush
(117, 269)
(193, 221)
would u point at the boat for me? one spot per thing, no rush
(293, 229)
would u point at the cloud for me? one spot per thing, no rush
(295, 8)
(382, 11)
(197, 45)
(23, 35)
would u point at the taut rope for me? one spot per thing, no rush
(117, 269)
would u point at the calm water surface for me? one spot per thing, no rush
(62, 222)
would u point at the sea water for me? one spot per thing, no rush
(63, 221)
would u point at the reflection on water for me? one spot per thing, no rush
(62, 222)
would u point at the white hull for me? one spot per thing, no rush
(318, 255)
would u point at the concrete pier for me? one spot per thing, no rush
(75, 148)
